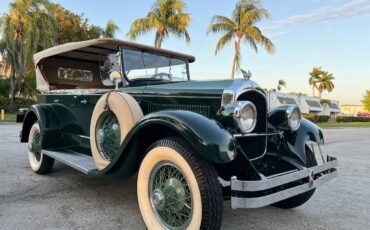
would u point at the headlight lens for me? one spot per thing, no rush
(245, 115)
(294, 117)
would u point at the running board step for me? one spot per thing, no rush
(78, 161)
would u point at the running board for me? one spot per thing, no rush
(78, 161)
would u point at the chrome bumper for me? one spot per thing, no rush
(255, 194)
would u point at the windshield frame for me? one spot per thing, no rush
(123, 70)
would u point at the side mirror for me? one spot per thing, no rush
(116, 78)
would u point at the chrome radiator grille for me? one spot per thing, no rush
(255, 147)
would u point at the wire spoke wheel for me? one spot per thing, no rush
(171, 196)
(108, 135)
(40, 163)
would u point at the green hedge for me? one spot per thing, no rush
(353, 119)
(11, 107)
(316, 118)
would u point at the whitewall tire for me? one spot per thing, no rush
(177, 189)
(39, 162)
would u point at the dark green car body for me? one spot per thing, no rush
(186, 109)
(202, 113)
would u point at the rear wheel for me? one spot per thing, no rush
(40, 163)
(177, 189)
(300, 199)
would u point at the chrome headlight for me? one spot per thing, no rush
(294, 117)
(245, 115)
(286, 117)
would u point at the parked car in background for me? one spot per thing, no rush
(119, 109)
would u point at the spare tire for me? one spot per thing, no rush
(110, 125)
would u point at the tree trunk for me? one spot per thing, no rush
(159, 41)
(237, 46)
(313, 90)
(12, 87)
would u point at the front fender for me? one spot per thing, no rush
(207, 137)
(308, 131)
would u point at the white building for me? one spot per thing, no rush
(332, 109)
(307, 105)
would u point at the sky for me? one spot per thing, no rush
(334, 34)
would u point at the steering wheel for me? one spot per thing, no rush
(161, 75)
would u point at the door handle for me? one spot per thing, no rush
(57, 101)
(83, 102)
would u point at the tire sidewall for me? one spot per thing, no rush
(34, 163)
(151, 160)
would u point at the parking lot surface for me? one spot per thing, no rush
(67, 199)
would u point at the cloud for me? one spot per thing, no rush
(350, 9)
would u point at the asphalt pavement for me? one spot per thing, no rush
(68, 199)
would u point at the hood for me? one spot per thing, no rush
(214, 88)
(189, 88)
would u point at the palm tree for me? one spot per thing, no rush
(315, 76)
(326, 82)
(166, 17)
(281, 84)
(27, 28)
(110, 29)
(241, 27)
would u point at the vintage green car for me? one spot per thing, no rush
(120, 109)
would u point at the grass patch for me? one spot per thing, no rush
(9, 118)
(344, 124)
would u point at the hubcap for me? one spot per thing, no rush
(171, 196)
(158, 199)
(108, 135)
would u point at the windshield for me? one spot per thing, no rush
(139, 65)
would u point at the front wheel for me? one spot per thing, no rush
(177, 189)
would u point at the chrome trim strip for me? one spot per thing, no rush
(237, 87)
(257, 202)
(179, 96)
(255, 134)
(252, 186)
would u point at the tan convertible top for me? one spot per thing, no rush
(84, 52)
(107, 44)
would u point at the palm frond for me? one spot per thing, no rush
(110, 29)
(224, 40)
(139, 26)
(166, 17)
(252, 42)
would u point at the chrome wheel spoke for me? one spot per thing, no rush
(108, 135)
(177, 197)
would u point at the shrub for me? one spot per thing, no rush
(12, 107)
(316, 118)
(4, 87)
(352, 119)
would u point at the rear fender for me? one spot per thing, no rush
(53, 120)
